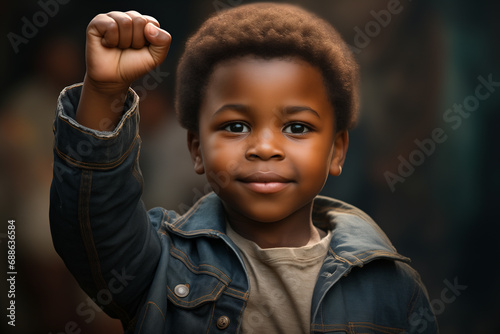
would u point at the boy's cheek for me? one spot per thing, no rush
(219, 180)
(223, 157)
(220, 171)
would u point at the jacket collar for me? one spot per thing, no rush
(356, 239)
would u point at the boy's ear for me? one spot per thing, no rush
(340, 146)
(193, 139)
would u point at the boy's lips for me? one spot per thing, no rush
(265, 182)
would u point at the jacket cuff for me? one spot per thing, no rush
(87, 148)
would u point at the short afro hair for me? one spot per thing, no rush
(267, 30)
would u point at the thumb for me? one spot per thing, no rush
(159, 41)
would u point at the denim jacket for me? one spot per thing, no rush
(162, 272)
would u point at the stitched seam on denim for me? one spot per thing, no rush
(188, 214)
(356, 260)
(369, 252)
(163, 316)
(135, 171)
(133, 110)
(366, 218)
(196, 269)
(65, 120)
(374, 254)
(85, 228)
(412, 301)
(323, 328)
(236, 293)
(164, 219)
(322, 321)
(384, 329)
(348, 209)
(206, 232)
(88, 241)
(195, 302)
(381, 252)
(340, 258)
(98, 166)
(242, 309)
(144, 317)
(163, 215)
(211, 318)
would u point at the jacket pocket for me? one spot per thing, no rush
(194, 293)
(192, 283)
(187, 305)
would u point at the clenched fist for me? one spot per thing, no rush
(121, 47)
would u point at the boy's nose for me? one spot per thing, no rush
(265, 145)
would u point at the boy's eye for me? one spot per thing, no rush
(237, 127)
(296, 128)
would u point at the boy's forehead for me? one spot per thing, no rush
(256, 60)
(271, 83)
(290, 73)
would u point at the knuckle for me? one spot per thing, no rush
(133, 12)
(100, 17)
(125, 21)
(120, 18)
(139, 20)
(110, 26)
(151, 20)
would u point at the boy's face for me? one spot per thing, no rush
(266, 137)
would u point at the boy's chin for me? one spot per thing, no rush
(265, 212)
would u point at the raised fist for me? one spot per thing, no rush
(122, 47)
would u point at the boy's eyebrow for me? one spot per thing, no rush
(236, 107)
(289, 110)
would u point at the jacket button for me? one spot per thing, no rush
(223, 322)
(181, 290)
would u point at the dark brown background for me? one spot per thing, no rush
(425, 60)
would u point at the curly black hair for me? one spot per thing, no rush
(267, 30)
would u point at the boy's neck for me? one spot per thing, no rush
(295, 231)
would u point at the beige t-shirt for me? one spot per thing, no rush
(282, 281)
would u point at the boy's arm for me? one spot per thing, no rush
(98, 222)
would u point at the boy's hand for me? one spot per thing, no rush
(121, 47)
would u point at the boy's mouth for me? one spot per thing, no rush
(265, 182)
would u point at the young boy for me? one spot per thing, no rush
(267, 94)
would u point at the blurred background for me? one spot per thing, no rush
(423, 161)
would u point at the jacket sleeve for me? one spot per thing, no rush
(421, 317)
(99, 225)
